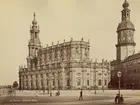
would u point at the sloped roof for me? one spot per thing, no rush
(132, 57)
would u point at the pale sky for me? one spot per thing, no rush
(96, 20)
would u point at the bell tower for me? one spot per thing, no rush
(34, 43)
(125, 44)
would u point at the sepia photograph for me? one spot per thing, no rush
(69, 52)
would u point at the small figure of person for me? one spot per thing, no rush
(43, 91)
(50, 94)
(36, 93)
(121, 99)
(81, 95)
(3, 92)
(58, 92)
(117, 98)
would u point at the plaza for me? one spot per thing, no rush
(70, 97)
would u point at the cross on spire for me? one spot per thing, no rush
(34, 15)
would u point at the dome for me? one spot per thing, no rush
(125, 25)
(125, 4)
(34, 22)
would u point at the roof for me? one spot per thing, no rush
(132, 57)
(125, 25)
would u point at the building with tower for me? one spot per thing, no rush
(65, 65)
(126, 60)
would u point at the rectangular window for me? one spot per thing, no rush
(78, 82)
(53, 82)
(58, 82)
(105, 82)
(99, 82)
(42, 83)
(35, 34)
(87, 82)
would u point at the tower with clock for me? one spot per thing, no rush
(125, 44)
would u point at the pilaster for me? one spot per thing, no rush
(39, 82)
(22, 84)
(44, 81)
(29, 82)
(34, 82)
(25, 84)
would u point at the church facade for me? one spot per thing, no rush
(127, 61)
(65, 65)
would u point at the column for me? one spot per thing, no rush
(29, 82)
(39, 82)
(24, 80)
(56, 81)
(51, 81)
(71, 79)
(74, 79)
(21, 84)
(63, 78)
(34, 82)
(44, 81)
(94, 75)
(43, 59)
(91, 77)
(83, 79)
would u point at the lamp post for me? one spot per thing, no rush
(119, 76)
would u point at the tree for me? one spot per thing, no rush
(15, 84)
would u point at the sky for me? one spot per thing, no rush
(96, 20)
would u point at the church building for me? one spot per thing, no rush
(64, 65)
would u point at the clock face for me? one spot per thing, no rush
(126, 33)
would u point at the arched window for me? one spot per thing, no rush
(53, 82)
(88, 82)
(68, 82)
(78, 81)
(36, 51)
(36, 83)
(41, 82)
(31, 83)
(99, 82)
(36, 75)
(35, 34)
(47, 75)
(41, 75)
(105, 82)
(47, 83)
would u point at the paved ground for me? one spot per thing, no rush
(71, 98)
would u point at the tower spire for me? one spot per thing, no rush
(34, 22)
(125, 30)
(34, 43)
(125, 11)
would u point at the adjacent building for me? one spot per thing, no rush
(127, 61)
(65, 65)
